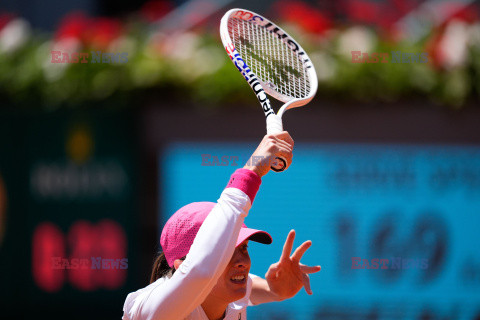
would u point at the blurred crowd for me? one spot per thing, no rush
(192, 59)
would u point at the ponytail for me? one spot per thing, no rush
(161, 268)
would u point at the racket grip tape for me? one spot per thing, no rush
(274, 125)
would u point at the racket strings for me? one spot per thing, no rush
(270, 58)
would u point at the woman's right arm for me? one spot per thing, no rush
(214, 243)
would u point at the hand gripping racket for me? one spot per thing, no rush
(272, 62)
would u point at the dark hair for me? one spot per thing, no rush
(161, 268)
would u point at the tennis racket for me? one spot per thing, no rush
(272, 62)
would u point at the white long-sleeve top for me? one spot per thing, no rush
(180, 296)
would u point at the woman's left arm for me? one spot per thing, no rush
(285, 278)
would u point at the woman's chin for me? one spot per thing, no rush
(237, 293)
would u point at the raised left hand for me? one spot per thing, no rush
(286, 277)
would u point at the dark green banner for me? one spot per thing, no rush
(67, 212)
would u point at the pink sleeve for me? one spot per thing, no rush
(247, 181)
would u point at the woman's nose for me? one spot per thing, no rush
(242, 260)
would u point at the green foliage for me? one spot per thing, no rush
(193, 66)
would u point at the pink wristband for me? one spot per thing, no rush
(245, 180)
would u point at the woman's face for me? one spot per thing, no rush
(232, 284)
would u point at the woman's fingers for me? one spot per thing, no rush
(285, 136)
(297, 255)
(309, 269)
(283, 148)
(284, 144)
(288, 246)
(272, 271)
(306, 283)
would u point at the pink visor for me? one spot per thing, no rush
(182, 227)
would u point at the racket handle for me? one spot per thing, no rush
(274, 125)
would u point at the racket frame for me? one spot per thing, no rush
(259, 87)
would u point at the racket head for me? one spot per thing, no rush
(258, 45)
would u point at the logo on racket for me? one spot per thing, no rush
(275, 69)
(271, 85)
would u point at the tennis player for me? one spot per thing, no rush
(203, 271)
